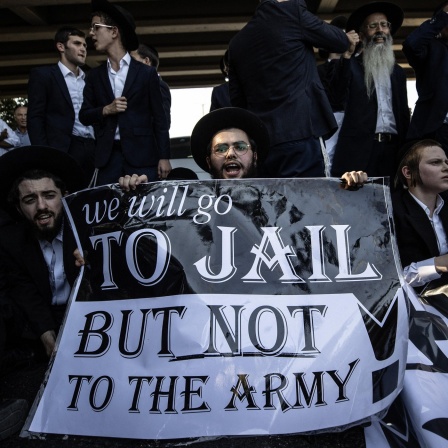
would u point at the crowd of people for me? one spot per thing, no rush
(272, 119)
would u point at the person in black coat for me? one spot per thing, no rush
(55, 95)
(37, 250)
(373, 87)
(426, 49)
(421, 212)
(273, 74)
(123, 102)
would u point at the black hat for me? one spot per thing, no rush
(340, 22)
(25, 158)
(122, 18)
(392, 11)
(182, 173)
(227, 117)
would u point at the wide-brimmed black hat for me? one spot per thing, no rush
(122, 18)
(18, 161)
(392, 11)
(341, 23)
(227, 117)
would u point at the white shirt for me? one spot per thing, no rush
(117, 80)
(385, 121)
(421, 272)
(75, 86)
(54, 258)
(12, 139)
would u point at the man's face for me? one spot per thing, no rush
(375, 28)
(102, 35)
(433, 170)
(40, 203)
(231, 164)
(20, 116)
(75, 50)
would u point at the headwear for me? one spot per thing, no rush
(340, 22)
(18, 161)
(227, 117)
(122, 18)
(182, 173)
(393, 13)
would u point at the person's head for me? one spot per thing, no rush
(146, 54)
(37, 196)
(424, 166)
(20, 114)
(33, 180)
(111, 25)
(376, 23)
(232, 154)
(230, 143)
(71, 45)
(378, 54)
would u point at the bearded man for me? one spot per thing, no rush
(374, 88)
(36, 251)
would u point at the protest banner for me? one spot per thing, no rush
(419, 416)
(219, 308)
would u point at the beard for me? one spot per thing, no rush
(48, 233)
(378, 60)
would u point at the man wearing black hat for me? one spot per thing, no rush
(273, 74)
(374, 89)
(427, 51)
(123, 102)
(39, 247)
(55, 95)
(230, 143)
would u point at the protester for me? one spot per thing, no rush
(150, 56)
(273, 74)
(122, 99)
(55, 95)
(8, 138)
(20, 115)
(220, 94)
(230, 143)
(426, 49)
(421, 214)
(39, 246)
(374, 89)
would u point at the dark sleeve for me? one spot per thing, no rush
(213, 104)
(416, 45)
(338, 84)
(237, 96)
(166, 99)
(160, 121)
(321, 34)
(37, 107)
(91, 112)
(25, 294)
